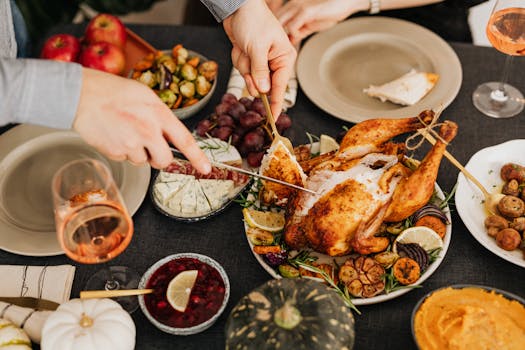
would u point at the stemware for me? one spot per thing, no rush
(506, 32)
(93, 224)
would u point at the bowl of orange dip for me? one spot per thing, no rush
(469, 317)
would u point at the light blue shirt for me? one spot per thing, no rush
(35, 91)
(47, 92)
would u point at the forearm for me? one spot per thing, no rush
(220, 9)
(39, 92)
(384, 5)
(399, 4)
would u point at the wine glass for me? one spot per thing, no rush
(93, 224)
(506, 32)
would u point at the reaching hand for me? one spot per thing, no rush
(261, 51)
(125, 120)
(301, 18)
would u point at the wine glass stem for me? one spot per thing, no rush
(111, 282)
(500, 95)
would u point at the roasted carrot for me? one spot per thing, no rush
(174, 51)
(194, 61)
(265, 249)
(406, 271)
(434, 223)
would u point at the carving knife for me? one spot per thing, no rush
(251, 173)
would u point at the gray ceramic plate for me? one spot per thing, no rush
(334, 67)
(29, 157)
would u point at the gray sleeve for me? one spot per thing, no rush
(220, 9)
(37, 91)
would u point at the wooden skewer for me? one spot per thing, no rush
(457, 164)
(276, 135)
(89, 294)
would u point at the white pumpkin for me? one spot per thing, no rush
(89, 324)
(12, 337)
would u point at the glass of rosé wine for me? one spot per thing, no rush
(506, 32)
(93, 225)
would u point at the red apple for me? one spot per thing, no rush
(107, 28)
(103, 56)
(61, 47)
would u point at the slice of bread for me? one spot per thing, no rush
(406, 90)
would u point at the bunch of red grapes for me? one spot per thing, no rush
(243, 123)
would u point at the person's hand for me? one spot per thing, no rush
(301, 18)
(125, 120)
(261, 51)
(274, 5)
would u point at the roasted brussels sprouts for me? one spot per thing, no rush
(168, 97)
(188, 72)
(202, 85)
(209, 70)
(176, 78)
(148, 78)
(182, 55)
(187, 89)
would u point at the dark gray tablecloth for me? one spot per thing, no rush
(381, 326)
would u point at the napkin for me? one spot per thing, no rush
(478, 17)
(44, 282)
(237, 87)
(28, 319)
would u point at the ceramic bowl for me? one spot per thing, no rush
(505, 294)
(191, 329)
(186, 112)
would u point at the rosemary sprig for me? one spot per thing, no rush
(246, 201)
(433, 254)
(343, 293)
(391, 283)
(302, 257)
(449, 198)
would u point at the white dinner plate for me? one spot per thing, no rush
(334, 66)
(485, 165)
(323, 258)
(29, 157)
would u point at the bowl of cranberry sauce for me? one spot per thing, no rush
(207, 300)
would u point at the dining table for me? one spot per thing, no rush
(385, 325)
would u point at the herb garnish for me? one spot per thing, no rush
(329, 279)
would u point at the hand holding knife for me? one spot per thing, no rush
(251, 173)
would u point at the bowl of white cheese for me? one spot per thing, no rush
(182, 193)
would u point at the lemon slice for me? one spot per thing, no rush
(327, 144)
(179, 289)
(265, 220)
(422, 235)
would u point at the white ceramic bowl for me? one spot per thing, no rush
(186, 330)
